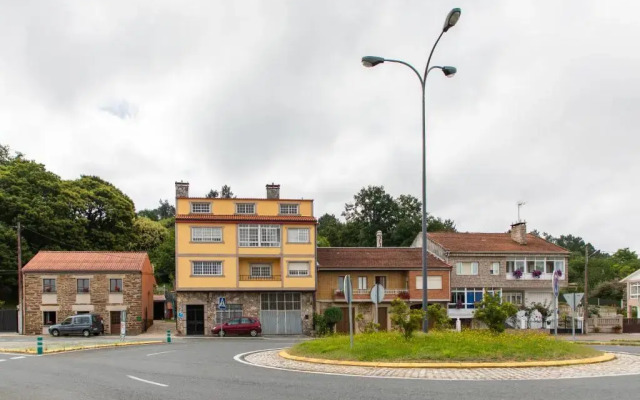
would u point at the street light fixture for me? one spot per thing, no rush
(372, 61)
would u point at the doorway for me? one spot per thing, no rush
(382, 318)
(114, 320)
(158, 310)
(195, 320)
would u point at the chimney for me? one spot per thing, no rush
(519, 232)
(273, 191)
(379, 239)
(182, 189)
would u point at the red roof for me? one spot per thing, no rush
(87, 261)
(241, 199)
(244, 218)
(492, 243)
(375, 258)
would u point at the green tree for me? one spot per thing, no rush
(332, 316)
(373, 209)
(148, 234)
(625, 262)
(493, 313)
(163, 211)
(331, 228)
(323, 242)
(213, 194)
(225, 192)
(163, 258)
(438, 317)
(407, 321)
(612, 290)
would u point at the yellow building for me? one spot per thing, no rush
(259, 254)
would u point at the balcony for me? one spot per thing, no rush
(259, 278)
(362, 294)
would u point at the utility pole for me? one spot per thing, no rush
(20, 302)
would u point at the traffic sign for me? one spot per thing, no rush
(180, 314)
(222, 303)
(573, 299)
(555, 283)
(377, 293)
(348, 290)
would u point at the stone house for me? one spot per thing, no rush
(515, 265)
(58, 284)
(398, 270)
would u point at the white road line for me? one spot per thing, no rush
(146, 381)
(2, 360)
(162, 352)
(18, 358)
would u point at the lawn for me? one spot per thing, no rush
(470, 345)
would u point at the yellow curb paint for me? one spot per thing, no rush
(76, 348)
(512, 364)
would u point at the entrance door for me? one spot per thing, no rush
(343, 325)
(195, 320)
(115, 322)
(158, 310)
(382, 318)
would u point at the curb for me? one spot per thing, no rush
(514, 364)
(606, 343)
(77, 348)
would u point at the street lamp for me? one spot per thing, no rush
(448, 71)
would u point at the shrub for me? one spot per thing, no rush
(438, 317)
(407, 321)
(332, 316)
(494, 314)
(596, 329)
(617, 329)
(320, 324)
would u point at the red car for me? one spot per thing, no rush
(238, 326)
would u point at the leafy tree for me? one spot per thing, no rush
(332, 316)
(407, 321)
(613, 290)
(438, 317)
(373, 209)
(493, 313)
(323, 242)
(320, 324)
(163, 257)
(225, 192)
(163, 211)
(625, 262)
(331, 228)
(213, 194)
(148, 234)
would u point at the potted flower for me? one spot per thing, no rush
(517, 274)
(47, 289)
(459, 304)
(339, 293)
(85, 290)
(404, 295)
(117, 289)
(617, 329)
(536, 273)
(559, 273)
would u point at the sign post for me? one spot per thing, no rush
(348, 294)
(573, 299)
(123, 324)
(377, 296)
(556, 291)
(222, 305)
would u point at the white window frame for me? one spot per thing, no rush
(206, 234)
(297, 269)
(288, 208)
(246, 208)
(260, 270)
(362, 283)
(207, 268)
(205, 204)
(495, 268)
(473, 268)
(507, 296)
(298, 235)
(252, 235)
(433, 282)
(634, 287)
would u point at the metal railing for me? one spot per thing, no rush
(259, 278)
(386, 291)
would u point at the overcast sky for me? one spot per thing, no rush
(544, 107)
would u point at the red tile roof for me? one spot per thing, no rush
(87, 261)
(375, 258)
(244, 218)
(492, 243)
(241, 199)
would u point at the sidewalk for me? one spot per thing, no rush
(603, 337)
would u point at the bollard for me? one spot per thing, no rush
(39, 344)
(168, 336)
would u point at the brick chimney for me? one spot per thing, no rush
(379, 239)
(519, 232)
(182, 189)
(273, 191)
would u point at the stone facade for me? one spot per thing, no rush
(250, 307)
(65, 301)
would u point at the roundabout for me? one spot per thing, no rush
(623, 364)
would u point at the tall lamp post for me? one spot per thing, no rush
(372, 61)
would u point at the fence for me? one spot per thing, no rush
(631, 325)
(605, 325)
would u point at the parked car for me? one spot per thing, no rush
(82, 324)
(238, 326)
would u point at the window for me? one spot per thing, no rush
(381, 280)
(207, 268)
(289, 209)
(513, 265)
(495, 268)
(494, 292)
(206, 235)
(233, 311)
(512, 297)
(539, 265)
(550, 265)
(634, 290)
(467, 268)
(259, 235)
(340, 283)
(49, 318)
(49, 285)
(280, 301)
(362, 283)
(83, 285)
(245, 208)
(298, 268)
(115, 285)
(465, 298)
(246, 321)
(298, 235)
(201, 208)
(433, 282)
(67, 321)
(260, 270)
(559, 266)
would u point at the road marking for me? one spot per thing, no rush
(162, 352)
(2, 360)
(18, 358)
(146, 381)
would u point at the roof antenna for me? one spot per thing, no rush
(520, 204)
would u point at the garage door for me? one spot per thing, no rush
(280, 314)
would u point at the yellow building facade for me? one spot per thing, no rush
(255, 255)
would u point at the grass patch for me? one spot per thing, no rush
(470, 345)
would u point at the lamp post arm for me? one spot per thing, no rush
(426, 69)
(410, 66)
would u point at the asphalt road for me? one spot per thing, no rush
(205, 369)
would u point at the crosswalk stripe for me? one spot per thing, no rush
(18, 358)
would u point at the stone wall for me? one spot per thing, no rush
(65, 301)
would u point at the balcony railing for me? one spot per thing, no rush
(386, 291)
(259, 278)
